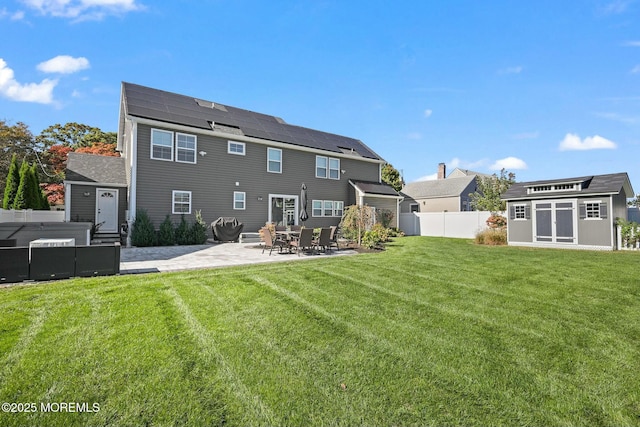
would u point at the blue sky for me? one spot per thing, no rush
(546, 89)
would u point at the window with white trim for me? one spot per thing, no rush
(239, 200)
(234, 147)
(181, 202)
(519, 212)
(327, 208)
(592, 209)
(161, 144)
(327, 167)
(185, 148)
(274, 160)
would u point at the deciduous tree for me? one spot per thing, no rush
(14, 139)
(391, 176)
(490, 189)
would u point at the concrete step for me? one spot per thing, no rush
(250, 238)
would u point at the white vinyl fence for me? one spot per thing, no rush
(29, 215)
(463, 225)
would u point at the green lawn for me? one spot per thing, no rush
(430, 332)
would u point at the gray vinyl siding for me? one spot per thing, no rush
(520, 230)
(596, 232)
(384, 203)
(216, 176)
(83, 207)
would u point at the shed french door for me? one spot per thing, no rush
(555, 221)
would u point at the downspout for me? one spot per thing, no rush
(134, 180)
(67, 202)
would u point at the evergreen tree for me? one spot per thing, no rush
(166, 235)
(40, 201)
(13, 181)
(391, 176)
(143, 233)
(22, 195)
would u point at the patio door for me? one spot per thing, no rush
(107, 209)
(283, 209)
(555, 221)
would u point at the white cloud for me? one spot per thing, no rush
(64, 64)
(31, 92)
(509, 163)
(526, 135)
(632, 43)
(431, 177)
(83, 10)
(635, 69)
(512, 70)
(14, 16)
(414, 136)
(619, 118)
(615, 7)
(428, 113)
(572, 142)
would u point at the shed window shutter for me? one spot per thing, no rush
(603, 210)
(527, 212)
(512, 212)
(583, 211)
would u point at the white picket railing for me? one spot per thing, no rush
(29, 215)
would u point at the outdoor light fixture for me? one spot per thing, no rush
(203, 153)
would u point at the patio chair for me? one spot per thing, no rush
(296, 227)
(305, 241)
(333, 237)
(324, 239)
(271, 242)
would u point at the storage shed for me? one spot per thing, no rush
(577, 213)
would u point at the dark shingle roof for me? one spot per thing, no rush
(144, 102)
(377, 188)
(450, 187)
(99, 169)
(591, 185)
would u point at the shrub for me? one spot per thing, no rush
(271, 227)
(355, 221)
(371, 239)
(629, 231)
(384, 217)
(143, 233)
(492, 236)
(167, 234)
(383, 232)
(198, 230)
(497, 221)
(183, 235)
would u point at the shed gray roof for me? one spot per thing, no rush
(591, 185)
(376, 188)
(450, 187)
(145, 102)
(98, 169)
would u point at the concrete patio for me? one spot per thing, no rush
(175, 258)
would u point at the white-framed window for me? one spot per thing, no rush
(322, 166)
(186, 148)
(239, 200)
(274, 160)
(327, 167)
(327, 208)
(338, 209)
(334, 168)
(317, 208)
(519, 212)
(161, 145)
(414, 207)
(234, 147)
(181, 202)
(592, 209)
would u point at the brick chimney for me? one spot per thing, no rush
(442, 171)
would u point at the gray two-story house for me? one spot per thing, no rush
(183, 154)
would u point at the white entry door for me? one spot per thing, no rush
(107, 210)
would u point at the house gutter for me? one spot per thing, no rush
(244, 138)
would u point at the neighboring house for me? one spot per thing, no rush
(96, 191)
(184, 154)
(570, 213)
(445, 194)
